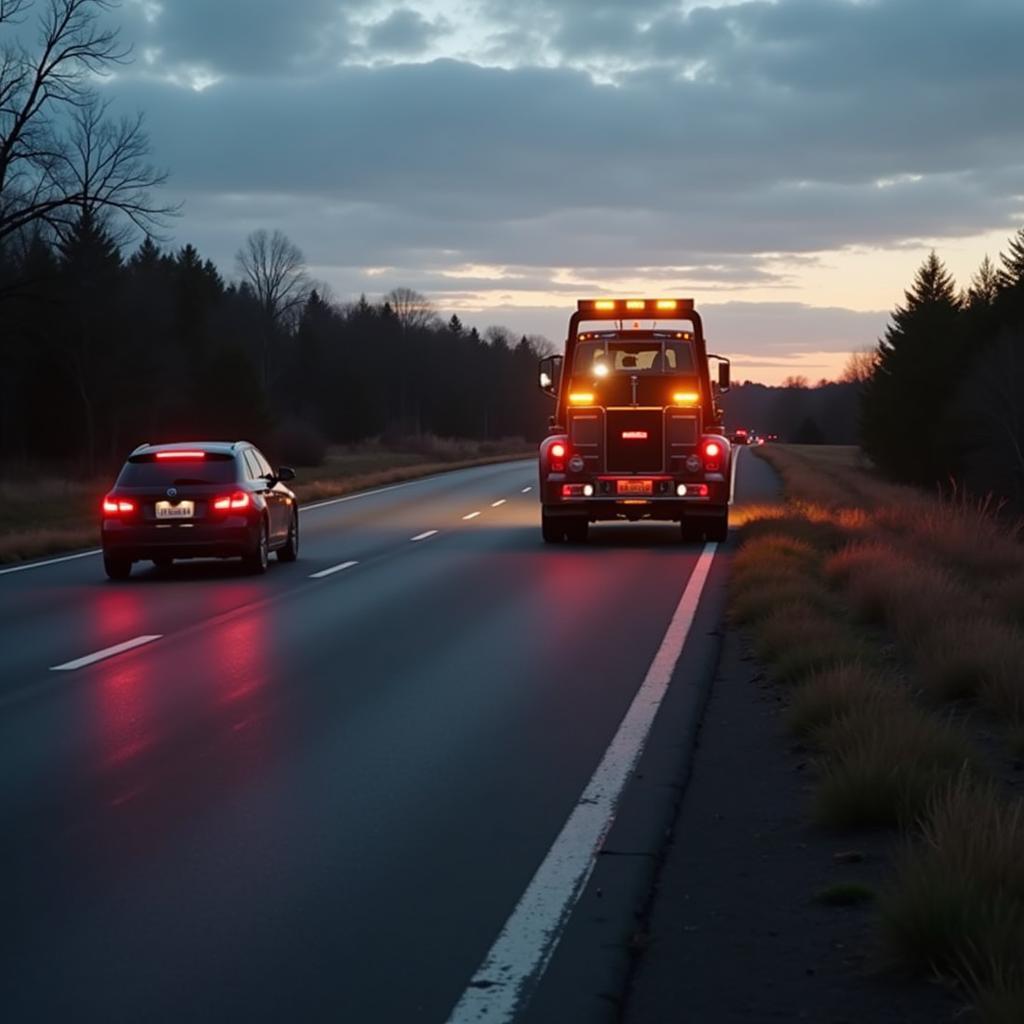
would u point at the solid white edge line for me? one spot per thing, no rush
(497, 504)
(330, 572)
(424, 536)
(516, 962)
(50, 561)
(472, 515)
(107, 652)
(732, 482)
(526, 490)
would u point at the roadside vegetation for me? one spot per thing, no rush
(42, 515)
(895, 622)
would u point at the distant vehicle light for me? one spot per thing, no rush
(667, 304)
(634, 435)
(635, 304)
(181, 455)
(581, 398)
(686, 398)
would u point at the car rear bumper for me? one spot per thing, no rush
(233, 537)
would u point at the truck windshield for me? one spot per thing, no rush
(600, 358)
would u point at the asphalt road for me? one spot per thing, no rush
(310, 798)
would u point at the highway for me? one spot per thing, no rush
(316, 795)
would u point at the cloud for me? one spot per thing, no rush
(403, 31)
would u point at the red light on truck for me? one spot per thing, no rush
(712, 450)
(557, 450)
(634, 435)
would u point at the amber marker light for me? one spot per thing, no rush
(581, 398)
(667, 304)
(604, 304)
(636, 304)
(686, 398)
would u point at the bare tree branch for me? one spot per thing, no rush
(53, 166)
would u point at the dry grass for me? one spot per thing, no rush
(956, 901)
(883, 760)
(824, 697)
(798, 639)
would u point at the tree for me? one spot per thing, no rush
(412, 309)
(906, 424)
(1011, 274)
(274, 268)
(59, 153)
(860, 366)
(984, 287)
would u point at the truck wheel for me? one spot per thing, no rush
(718, 528)
(552, 529)
(117, 567)
(691, 531)
(576, 530)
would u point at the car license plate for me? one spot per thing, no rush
(635, 486)
(182, 510)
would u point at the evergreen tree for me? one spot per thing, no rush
(907, 427)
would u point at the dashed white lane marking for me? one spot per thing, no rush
(49, 561)
(495, 504)
(517, 960)
(107, 652)
(472, 515)
(424, 536)
(526, 490)
(333, 569)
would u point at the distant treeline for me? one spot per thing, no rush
(943, 395)
(100, 351)
(826, 413)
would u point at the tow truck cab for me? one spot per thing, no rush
(637, 431)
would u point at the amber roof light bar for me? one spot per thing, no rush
(647, 309)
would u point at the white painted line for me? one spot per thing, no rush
(424, 536)
(49, 561)
(512, 969)
(732, 481)
(333, 569)
(472, 515)
(526, 490)
(495, 504)
(363, 494)
(107, 652)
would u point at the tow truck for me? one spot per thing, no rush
(637, 432)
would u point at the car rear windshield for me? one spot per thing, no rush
(147, 471)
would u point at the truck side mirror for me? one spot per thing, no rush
(550, 372)
(723, 372)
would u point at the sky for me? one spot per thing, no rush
(787, 164)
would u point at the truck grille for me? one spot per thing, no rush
(635, 441)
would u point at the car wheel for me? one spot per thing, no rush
(552, 529)
(290, 551)
(259, 558)
(117, 567)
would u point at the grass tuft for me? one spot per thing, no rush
(823, 697)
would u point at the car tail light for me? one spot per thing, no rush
(556, 455)
(232, 502)
(118, 506)
(181, 454)
(712, 452)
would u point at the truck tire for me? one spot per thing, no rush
(691, 531)
(718, 528)
(576, 530)
(552, 528)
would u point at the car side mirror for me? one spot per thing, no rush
(550, 372)
(285, 474)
